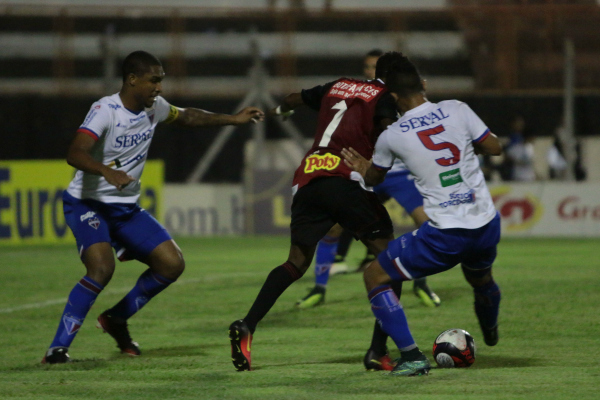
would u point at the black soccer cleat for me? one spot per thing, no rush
(378, 362)
(240, 339)
(490, 335)
(117, 328)
(57, 355)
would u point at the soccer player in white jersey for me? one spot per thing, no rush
(109, 152)
(438, 143)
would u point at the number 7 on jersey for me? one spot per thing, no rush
(337, 118)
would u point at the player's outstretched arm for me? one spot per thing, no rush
(287, 106)
(372, 175)
(195, 117)
(79, 157)
(489, 146)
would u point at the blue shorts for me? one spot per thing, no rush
(428, 250)
(402, 189)
(130, 230)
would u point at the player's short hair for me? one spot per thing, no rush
(402, 77)
(384, 63)
(139, 63)
(374, 53)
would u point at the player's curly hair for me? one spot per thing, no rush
(384, 63)
(138, 63)
(374, 53)
(400, 74)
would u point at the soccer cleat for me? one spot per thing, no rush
(56, 355)
(338, 267)
(427, 296)
(490, 335)
(240, 339)
(117, 328)
(411, 368)
(314, 298)
(369, 258)
(376, 362)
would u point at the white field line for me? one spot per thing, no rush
(63, 300)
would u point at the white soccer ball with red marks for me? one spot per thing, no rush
(454, 348)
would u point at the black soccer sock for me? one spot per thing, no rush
(277, 282)
(411, 355)
(379, 338)
(344, 243)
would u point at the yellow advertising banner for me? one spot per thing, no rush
(31, 210)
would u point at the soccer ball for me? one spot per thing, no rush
(454, 348)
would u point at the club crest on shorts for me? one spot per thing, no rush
(94, 222)
(87, 215)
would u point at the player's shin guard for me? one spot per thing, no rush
(325, 256)
(379, 338)
(80, 301)
(277, 282)
(390, 315)
(487, 304)
(149, 284)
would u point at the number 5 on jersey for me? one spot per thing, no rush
(425, 137)
(337, 118)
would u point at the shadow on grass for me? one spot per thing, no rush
(490, 361)
(487, 362)
(177, 351)
(84, 364)
(351, 360)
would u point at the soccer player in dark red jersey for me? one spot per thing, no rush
(352, 113)
(332, 249)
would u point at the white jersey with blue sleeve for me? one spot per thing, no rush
(122, 141)
(435, 142)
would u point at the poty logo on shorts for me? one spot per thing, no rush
(326, 161)
(94, 223)
(87, 215)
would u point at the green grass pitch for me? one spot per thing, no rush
(549, 329)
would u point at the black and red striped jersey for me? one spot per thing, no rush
(349, 114)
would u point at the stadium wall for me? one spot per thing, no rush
(31, 200)
(537, 209)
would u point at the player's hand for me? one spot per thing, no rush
(250, 114)
(355, 161)
(118, 179)
(276, 112)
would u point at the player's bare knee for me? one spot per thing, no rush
(374, 275)
(301, 256)
(300, 264)
(172, 266)
(335, 231)
(100, 272)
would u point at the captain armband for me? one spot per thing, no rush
(173, 114)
